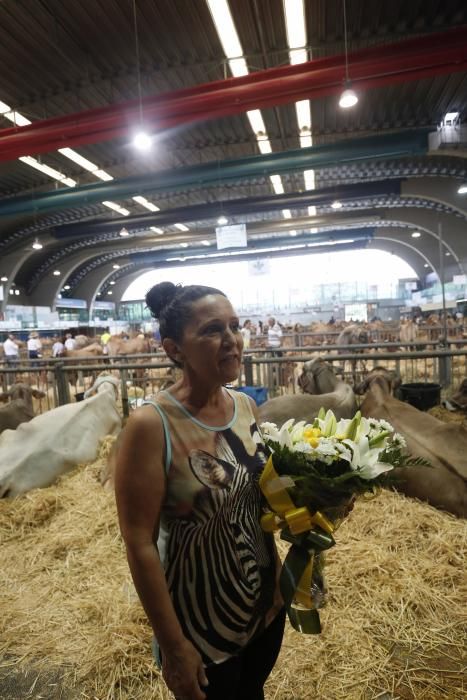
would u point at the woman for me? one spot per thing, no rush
(246, 334)
(187, 472)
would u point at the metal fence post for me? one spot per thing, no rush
(248, 367)
(61, 381)
(444, 370)
(124, 390)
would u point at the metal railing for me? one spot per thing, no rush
(63, 382)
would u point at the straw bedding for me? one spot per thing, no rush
(393, 627)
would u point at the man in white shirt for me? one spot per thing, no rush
(70, 343)
(274, 334)
(57, 348)
(11, 350)
(34, 346)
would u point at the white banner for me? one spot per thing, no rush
(231, 236)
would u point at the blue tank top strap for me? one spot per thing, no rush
(168, 444)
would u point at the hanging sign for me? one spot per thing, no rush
(233, 236)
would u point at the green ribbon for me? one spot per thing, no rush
(305, 549)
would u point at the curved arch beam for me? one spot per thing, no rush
(453, 239)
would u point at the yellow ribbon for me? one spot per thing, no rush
(284, 511)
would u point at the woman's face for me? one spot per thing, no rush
(212, 344)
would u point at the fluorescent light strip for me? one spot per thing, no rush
(295, 25)
(16, 118)
(230, 41)
(156, 230)
(85, 163)
(145, 203)
(286, 213)
(277, 184)
(116, 207)
(181, 227)
(235, 253)
(47, 170)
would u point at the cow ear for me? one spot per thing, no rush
(38, 394)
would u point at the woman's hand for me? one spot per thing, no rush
(183, 672)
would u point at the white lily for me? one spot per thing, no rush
(365, 459)
(297, 431)
(270, 431)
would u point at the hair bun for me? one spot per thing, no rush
(160, 296)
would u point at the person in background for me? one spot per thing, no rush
(70, 342)
(260, 326)
(34, 346)
(58, 348)
(105, 337)
(187, 472)
(11, 350)
(246, 334)
(274, 335)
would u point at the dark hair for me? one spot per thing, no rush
(171, 304)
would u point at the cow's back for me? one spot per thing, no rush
(443, 445)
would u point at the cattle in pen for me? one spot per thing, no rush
(38, 452)
(443, 445)
(19, 408)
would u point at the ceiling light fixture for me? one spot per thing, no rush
(142, 141)
(183, 245)
(222, 220)
(3, 279)
(205, 242)
(426, 265)
(181, 227)
(109, 292)
(336, 204)
(17, 292)
(156, 230)
(56, 273)
(116, 267)
(124, 232)
(462, 189)
(36, 245)
(66, 287)
(349, 97)
(112, 282)
(416, 234)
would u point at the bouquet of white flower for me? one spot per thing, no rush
(310, 481)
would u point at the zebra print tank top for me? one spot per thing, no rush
(220, 566)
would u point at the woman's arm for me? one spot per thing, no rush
(140, 486)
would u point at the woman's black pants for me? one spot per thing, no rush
(243, 676)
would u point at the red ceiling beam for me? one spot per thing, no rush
(413, 59)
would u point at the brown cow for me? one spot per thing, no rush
(443, 445)
(19, 409)
(133, 346)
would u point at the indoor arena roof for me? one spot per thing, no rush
(270, 147)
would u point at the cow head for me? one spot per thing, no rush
(389, 379)
(317, 377)
(22, 392)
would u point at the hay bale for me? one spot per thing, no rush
(393, 624)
